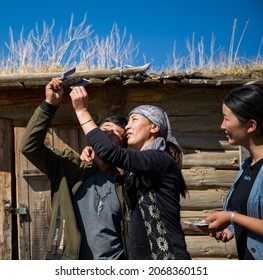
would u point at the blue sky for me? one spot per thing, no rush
(155, 25)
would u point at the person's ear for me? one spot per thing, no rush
(252, 125)
(154, 128)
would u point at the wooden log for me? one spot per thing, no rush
(196, 214)
(204, 200)
(206, 246)
(217, 159)
(199, 178)
(202, 141)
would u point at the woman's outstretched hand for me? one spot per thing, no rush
(79, 99)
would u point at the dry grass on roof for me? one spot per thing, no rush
(234, 72)
(254, 71)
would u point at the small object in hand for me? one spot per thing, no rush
(68, 73)
(197, 223)
(82, 82)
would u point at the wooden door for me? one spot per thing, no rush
(7, 241)
(33, 193)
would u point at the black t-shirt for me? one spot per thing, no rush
(238, 202)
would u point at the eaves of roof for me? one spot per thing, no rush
(126, 76)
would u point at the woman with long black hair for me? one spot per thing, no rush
(243, 211)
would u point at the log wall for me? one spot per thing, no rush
(209, 167)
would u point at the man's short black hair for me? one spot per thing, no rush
(118, 120)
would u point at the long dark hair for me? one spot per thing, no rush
(246, 103)
(177, 155)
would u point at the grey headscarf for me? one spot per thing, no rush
(158, 117)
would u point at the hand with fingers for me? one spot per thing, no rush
(87, 154)
(54, 91)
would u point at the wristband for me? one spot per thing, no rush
(86, 122)
(232, 215)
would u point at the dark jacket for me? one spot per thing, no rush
(66, 173)
(152, 198)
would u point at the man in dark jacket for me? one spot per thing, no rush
(86, 212)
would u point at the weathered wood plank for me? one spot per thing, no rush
(23, 223)
(6, 186)
(40, 211)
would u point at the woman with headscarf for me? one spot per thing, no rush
(153, 182)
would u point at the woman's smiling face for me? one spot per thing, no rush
(236, 131)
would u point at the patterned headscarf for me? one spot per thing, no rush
(158, 117)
